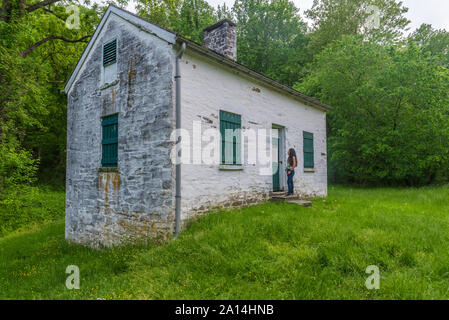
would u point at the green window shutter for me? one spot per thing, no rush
(309, 161)
(231, 150)
(110, 53)
(110, 141)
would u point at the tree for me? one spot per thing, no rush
(187, 17)
(195, 15)
(224, 12)
(161, 12)
(390, 117)
(271, 38)
(435, 42)
(332, 19)
(37, 54)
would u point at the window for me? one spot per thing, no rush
(109, 72)
(110, 141)
(110, 53)
(308, 150)
(230, 129)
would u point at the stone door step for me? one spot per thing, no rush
(284, 197)
(302, 203)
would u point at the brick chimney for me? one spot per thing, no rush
(222, 38)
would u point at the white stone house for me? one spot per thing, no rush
(124, 97)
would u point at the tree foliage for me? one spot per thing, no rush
(187, 17)
(390, 117)
(333, 19)
(435, 42)
(271, 38)
(37, 54)
(389, 122)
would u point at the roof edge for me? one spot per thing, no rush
(219, 23)
(255, 74)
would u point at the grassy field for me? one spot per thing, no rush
(25, 207)
(271, 251)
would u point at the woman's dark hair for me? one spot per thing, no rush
(291, 154)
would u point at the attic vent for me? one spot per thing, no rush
(109, 53)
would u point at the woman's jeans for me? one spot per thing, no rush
(290, 181)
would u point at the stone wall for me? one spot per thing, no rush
(105, 207)
(207, 88)
(222, 38)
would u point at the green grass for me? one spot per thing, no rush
(271, 251)
(24, 207)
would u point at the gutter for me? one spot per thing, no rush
(178, 126)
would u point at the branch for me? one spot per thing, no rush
(40, 5)
(53, 13)
(396, 115)
(52, 37)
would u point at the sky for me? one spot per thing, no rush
(434, 12)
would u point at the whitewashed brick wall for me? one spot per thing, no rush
(207, 88)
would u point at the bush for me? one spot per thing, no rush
(17, 166)
(24, 206)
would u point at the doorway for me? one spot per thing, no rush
(278, 153)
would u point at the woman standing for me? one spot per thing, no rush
(292, 162)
